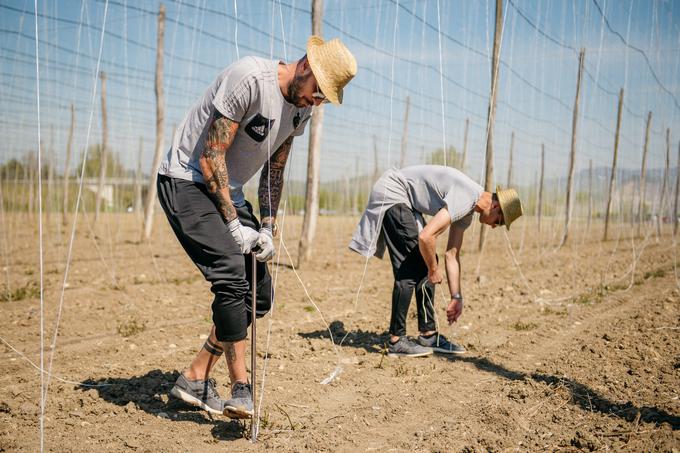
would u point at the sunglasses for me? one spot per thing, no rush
(319, 95)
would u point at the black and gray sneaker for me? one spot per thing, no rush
(406, 347)
(439, 343)
(241, 403)
(198, 393)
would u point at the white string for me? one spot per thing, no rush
(43, 372)
(77, 207)
(323, 319)
(389, 153)
(40, 232)
(236, 28)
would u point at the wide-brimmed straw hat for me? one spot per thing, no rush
(510, 205)
(333, 66)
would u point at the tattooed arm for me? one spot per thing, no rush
(213, 163)
(271, 184)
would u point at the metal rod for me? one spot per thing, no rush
(253, 349)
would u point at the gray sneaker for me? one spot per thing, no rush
(406, 347)
(439, 343)
(241, 403)
(198, 393)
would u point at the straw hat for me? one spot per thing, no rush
(333, 66)
(510, 205)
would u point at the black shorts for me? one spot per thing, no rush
(204, 235)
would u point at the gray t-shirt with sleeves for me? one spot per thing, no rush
(424, 188)
(246, 92)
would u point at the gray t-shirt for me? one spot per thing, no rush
(246, 92)
(424, 188)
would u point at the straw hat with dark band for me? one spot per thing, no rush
(510, 205)
(333, 66)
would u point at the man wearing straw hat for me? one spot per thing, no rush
(394, 219)
(245, 122)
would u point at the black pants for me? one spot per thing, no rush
(410, 270)
(203, 234)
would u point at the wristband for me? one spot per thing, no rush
(457, 296)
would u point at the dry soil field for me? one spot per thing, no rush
(573, 350)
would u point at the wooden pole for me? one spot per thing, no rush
(512, 145)
(590, 195)
(313, 161)
(138, 179)
(572, 156)
(643, 175)
(540, 190)
(491, 116)
(32, 164)
(677, 189)
(659, 216)
(465, 144)
(50, 174)
(67, 166)
(103, 151)
(357, 186)
(376, 168)
(613, 174)
(404, 134)
(160, 123)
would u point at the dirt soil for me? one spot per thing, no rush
(575, 348)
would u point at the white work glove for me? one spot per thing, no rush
(245, 237)
(265, 242)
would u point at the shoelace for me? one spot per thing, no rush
(212, 388)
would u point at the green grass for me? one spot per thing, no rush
(29, 291)
(524, 326)
(130, 328)
(656, 273)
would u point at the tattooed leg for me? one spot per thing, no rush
(212, 348)
(206, 359)
(235, 353)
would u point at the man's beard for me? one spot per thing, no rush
(294, 88)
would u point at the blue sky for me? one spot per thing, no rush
(400, 47)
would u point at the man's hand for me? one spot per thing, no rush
(435, 276)
(245, 237)
(265, 242)
(454, 310)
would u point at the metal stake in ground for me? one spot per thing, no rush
(253, 349)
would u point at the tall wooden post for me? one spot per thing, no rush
(138, 179)
(32, 164)
(50, 174)
(613, 174)
(160, 124)
(659, 216)
(357, 187)
(103, 151)
(572, 156)
(643, 175)
(540, 190)
(313, 161)
(590, 195)
(465, 144)
(512, 145)
(404, 134)
(677, 189)
(491, 116)
(67, 166)
(376, 167)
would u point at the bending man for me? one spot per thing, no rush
(394, 219)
